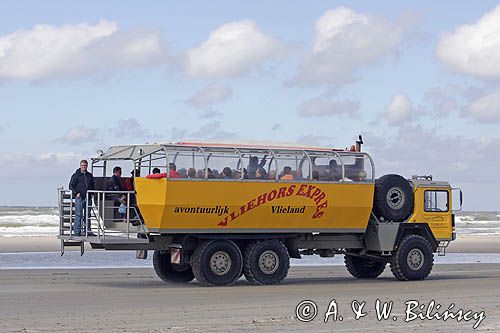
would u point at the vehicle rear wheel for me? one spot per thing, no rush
(393, 198)
(169, 272)
(413, 259)
(217, 263)
(266, 262)
(363, 268)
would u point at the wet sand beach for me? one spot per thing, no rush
(463, 244)
(135, 300)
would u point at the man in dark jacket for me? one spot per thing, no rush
(115, 184)
(81, 182)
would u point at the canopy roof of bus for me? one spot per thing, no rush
(138, 151)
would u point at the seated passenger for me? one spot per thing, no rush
(216, 174)
(172, 173)
(334, 171)
(200, 173)
(272, 174)
(157, 174)
(315, 175)
(287, 173)
(210, 174)
(298, 175)
(183, 172)
(261, 173)
(191, 173)
(226, 173)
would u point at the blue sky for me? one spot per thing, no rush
(418, 79)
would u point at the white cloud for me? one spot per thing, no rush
(232, 49)
(443, 100)
(413, 150)
(400, 110)
(210, 95)
(49, 52)
(324, 107)
(474, 49)
(129, 128)
(79, 135)
(36, 167)
(212, 131)
(345, 41)
(47, 171)
(486, 109)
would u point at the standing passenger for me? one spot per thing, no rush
(115, 184)
(253, 165)
(81, 182)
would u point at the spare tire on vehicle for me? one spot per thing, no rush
(393, 198)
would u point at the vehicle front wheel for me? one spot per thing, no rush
(363, 268)
(169, 272)
(413, 259)
(217, 263)
(266, 262)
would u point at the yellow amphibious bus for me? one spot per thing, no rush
(215, 212)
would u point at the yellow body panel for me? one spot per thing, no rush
(440, 223)
(249, 206)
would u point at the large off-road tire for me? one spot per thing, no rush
(363, 268)
(413, 260)
(393, 198)
(266, 262)
(217, 263)
(169, 272)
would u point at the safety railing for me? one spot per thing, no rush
(111, 215)
(66, 211)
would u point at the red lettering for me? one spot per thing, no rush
(323, 205)
(319, 198)
(301, 190)
(271, 195)
(281, 192)
(223, 223)
(251, 204)
(243, 209)
(309, 189)
(316, 192)
(261, 199)
(317, 215)
(233, 216)
(290, 190)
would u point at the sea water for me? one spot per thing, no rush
(44, 221)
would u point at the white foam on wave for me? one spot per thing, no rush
(29, 225)
(44, 221)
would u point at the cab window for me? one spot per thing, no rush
(436, 201)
